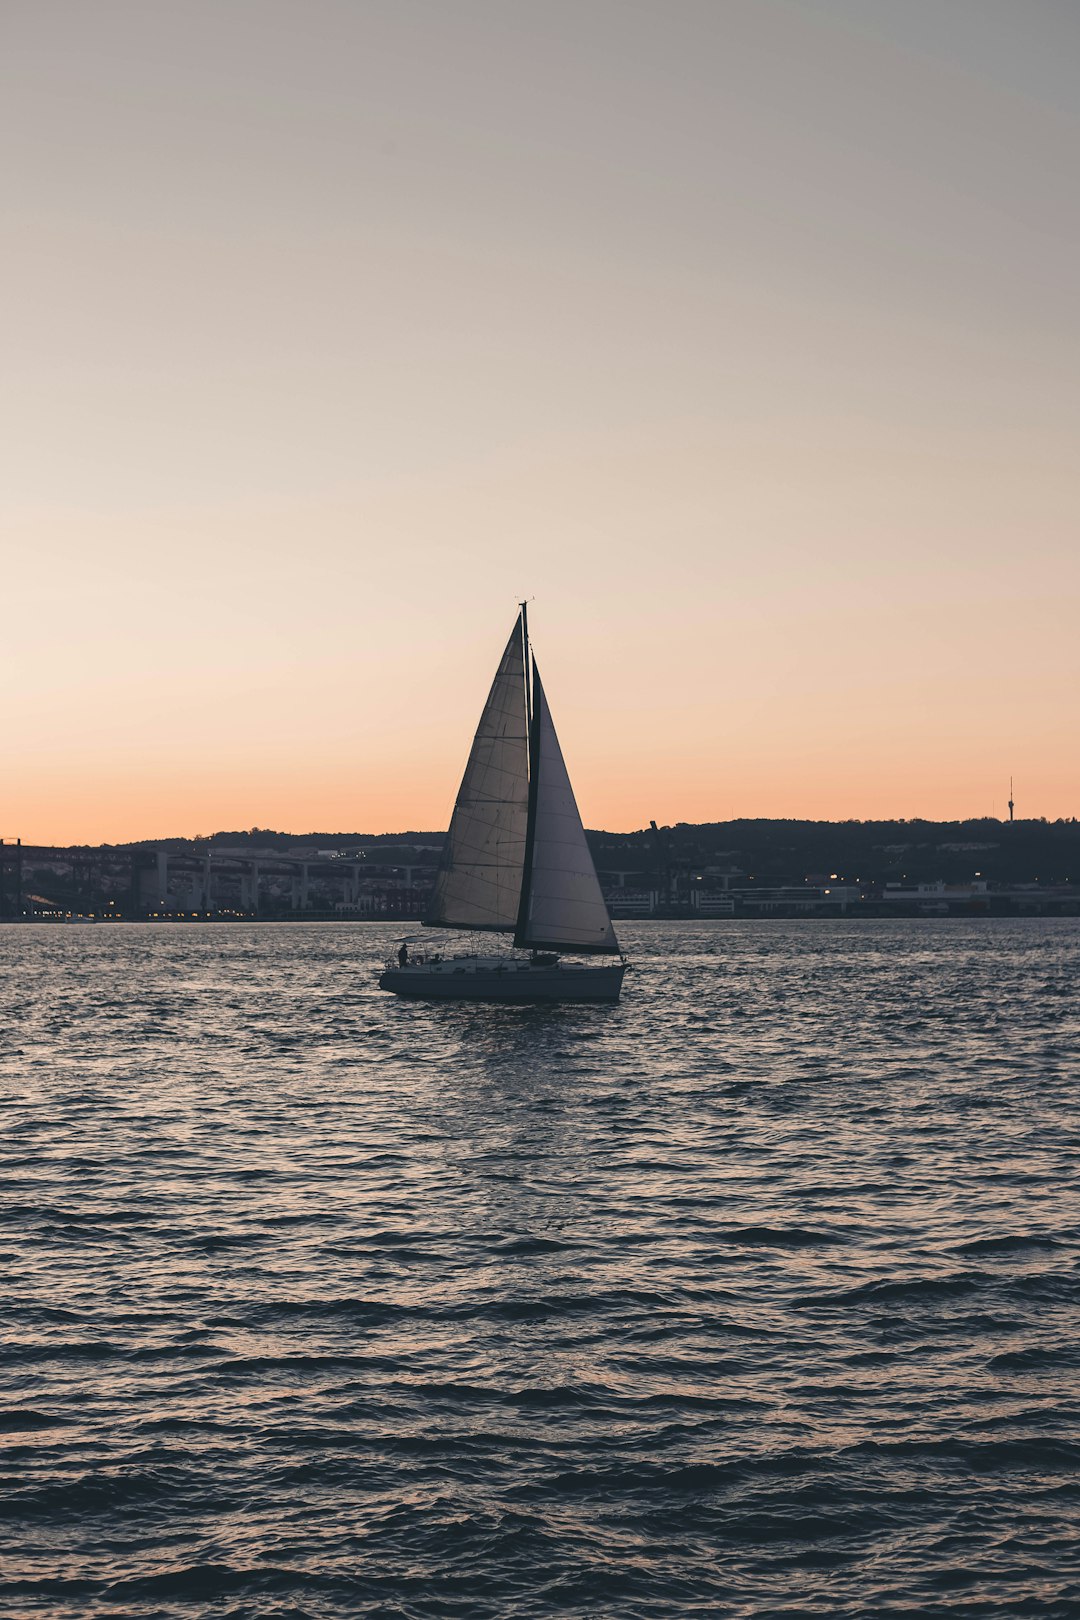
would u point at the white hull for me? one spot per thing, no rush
(495, 978)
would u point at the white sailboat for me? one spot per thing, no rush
(515, 861)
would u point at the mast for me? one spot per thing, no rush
(526, 659)
(522, 925)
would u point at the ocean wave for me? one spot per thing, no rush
(754, 1298)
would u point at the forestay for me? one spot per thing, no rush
(478, 884)
(562, 907)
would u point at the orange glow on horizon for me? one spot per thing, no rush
(766, 400)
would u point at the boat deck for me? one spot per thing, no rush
(502, 978)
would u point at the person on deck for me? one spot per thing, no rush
(403, 955)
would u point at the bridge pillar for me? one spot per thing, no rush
(163, 879)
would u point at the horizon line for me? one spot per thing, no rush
(12, 840)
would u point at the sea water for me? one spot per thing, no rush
(754, 1295)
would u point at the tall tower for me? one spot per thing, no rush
(1010, 798)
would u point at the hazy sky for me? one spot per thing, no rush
(741, 336)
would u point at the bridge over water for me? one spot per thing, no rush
(149, 881)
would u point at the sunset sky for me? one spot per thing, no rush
(738, 335)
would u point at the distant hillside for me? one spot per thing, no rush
(867, 851)
(267, 838)
(770, 851)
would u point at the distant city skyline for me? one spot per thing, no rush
(740, 335)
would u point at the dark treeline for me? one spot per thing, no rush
(860, 851)
(769, 851)
(268, 838)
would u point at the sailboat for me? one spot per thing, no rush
(516, 862)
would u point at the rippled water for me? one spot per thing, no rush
(755, 1295)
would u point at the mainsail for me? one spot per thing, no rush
(478, 884)
(515, 857)
(562, 907)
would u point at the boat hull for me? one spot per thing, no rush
(477, 980)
